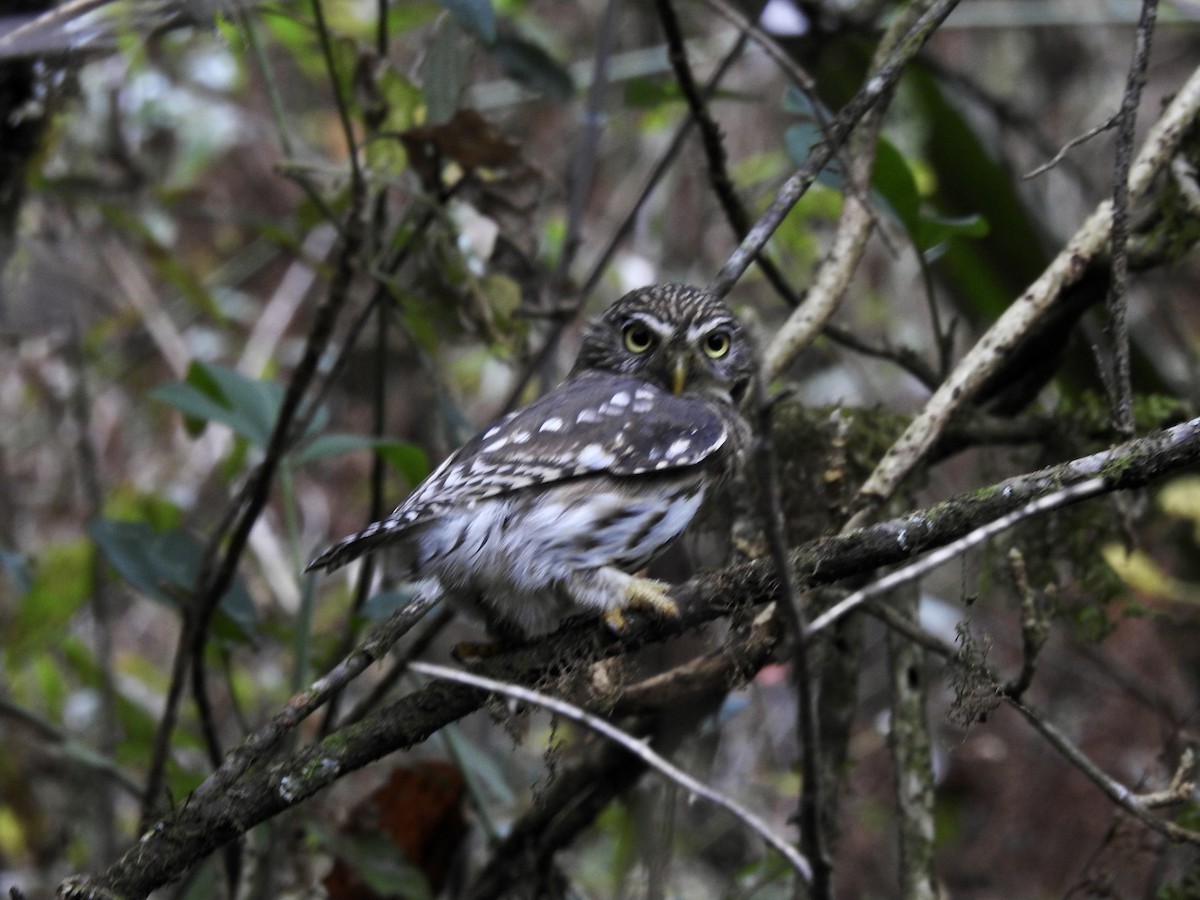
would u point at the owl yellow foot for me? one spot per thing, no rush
(646, 594)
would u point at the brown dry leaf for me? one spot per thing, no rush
(419, 811)
(467, 139)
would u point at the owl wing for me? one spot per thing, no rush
(594, 423)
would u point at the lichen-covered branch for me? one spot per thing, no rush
(184, 837)
(991, 351)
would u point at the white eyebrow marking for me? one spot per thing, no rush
(699, 330)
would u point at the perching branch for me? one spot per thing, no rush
(213, 817)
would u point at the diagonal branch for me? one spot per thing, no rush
(633, 745)
(879, 85)
(214, 817)
(990, 352)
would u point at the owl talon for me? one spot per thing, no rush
(643, 594)
(648, 594)
(615, 620)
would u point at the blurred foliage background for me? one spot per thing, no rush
(175, 187)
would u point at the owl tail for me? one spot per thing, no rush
(353, 546)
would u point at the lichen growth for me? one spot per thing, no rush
(976, 692)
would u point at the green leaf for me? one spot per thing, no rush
(933, 231)
(163, 565)
(197, 407)
(797, 102)
(383, 604)
(651, 93)
(62, 582)
(407, 459)
(327, 445)
(135, 551)
(255, 401)
(443, 72)
(475, 16)
(212, 393)
(533, 67)
(984, 274)
(798, 141)
(894, 183)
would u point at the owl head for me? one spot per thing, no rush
(680, 338)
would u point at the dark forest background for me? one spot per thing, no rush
(262, 265)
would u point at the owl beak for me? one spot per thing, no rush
(678, 375)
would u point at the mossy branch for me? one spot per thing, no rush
(196, 828)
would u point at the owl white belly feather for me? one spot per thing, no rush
(571, 551)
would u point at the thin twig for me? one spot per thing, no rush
(991, 350)
(891, 581)
(714, 148)
(1071, 145)
(794, 615)
(583, 164)
(904, 357)
(257, 746)
(855, 224)
(589, 284)
(878, 86)
(1035, 625)
(325, 39)
(1137, 805)
(228, 541)
(801, 80)
(215, 816)
(710, 132)
(1128, 800)
(1118, 300)
(633, 745)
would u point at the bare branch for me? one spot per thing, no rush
(1071, 145)
(213, 817)
(1118, 290)
(633, 745)
(992, 349)
(890, 582)
(878, 86)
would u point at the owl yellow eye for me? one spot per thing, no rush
(716, 344)
(638, 338)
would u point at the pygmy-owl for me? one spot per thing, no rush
(551, 509)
